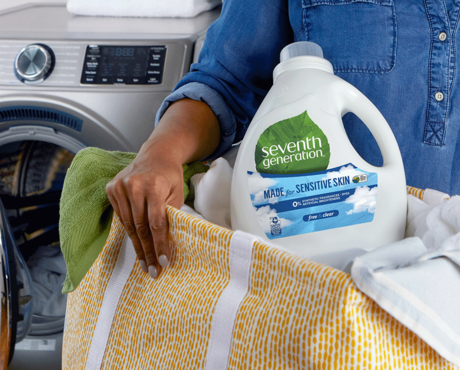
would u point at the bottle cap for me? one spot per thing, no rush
(301, 48)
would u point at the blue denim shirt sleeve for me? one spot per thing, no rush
(201, 92)
(236, 63)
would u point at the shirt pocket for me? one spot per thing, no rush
(355, 35)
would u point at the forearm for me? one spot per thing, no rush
(188, 131)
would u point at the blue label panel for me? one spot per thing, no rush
(288, 205)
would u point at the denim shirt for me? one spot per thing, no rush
(402, 54)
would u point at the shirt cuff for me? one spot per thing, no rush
(201, 92)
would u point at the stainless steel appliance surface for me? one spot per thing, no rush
(68, 82)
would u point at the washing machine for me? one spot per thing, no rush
(68, 82)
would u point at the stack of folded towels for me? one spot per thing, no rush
(141, 8)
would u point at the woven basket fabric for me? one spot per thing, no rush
(157, 320)
(298, 314)
(84, 304)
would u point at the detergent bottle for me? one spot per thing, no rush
(298, 181)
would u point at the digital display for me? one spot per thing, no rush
(123, 64)
(124, 52)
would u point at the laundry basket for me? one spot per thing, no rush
(228, 301)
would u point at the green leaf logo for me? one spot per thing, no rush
(291, 146)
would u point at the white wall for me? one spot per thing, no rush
(5, 4)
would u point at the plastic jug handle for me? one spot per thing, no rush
(356, 102)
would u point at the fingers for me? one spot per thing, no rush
(120, 200)
(142, 229)
(140, 202)
(161, 195)
(159, 227)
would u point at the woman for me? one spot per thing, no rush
(401, 55)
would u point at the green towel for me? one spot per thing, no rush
(85, 210)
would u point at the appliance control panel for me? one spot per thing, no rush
(123, 64)
(154, 64)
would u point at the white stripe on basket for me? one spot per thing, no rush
(225, 311)
(120, 275)
(227, 306)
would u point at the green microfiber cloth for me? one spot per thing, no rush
(85, 210)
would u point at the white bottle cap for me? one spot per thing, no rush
(301, 48)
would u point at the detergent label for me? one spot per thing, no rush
(292, 146)
(288, 205)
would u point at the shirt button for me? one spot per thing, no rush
(439, 96)
(442, 36)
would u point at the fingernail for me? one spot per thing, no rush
(153, 272)
(143, 266)
(163, 260)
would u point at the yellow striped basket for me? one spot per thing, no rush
(228, 301)
(416, 192)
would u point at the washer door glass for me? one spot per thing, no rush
(15, 293)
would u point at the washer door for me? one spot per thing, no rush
(15, 293)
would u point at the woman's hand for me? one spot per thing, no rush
(139, 194)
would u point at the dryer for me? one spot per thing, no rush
(68, 82)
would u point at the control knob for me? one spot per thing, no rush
(34, 63)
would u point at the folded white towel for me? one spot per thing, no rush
(141, 8)
(417, 280)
